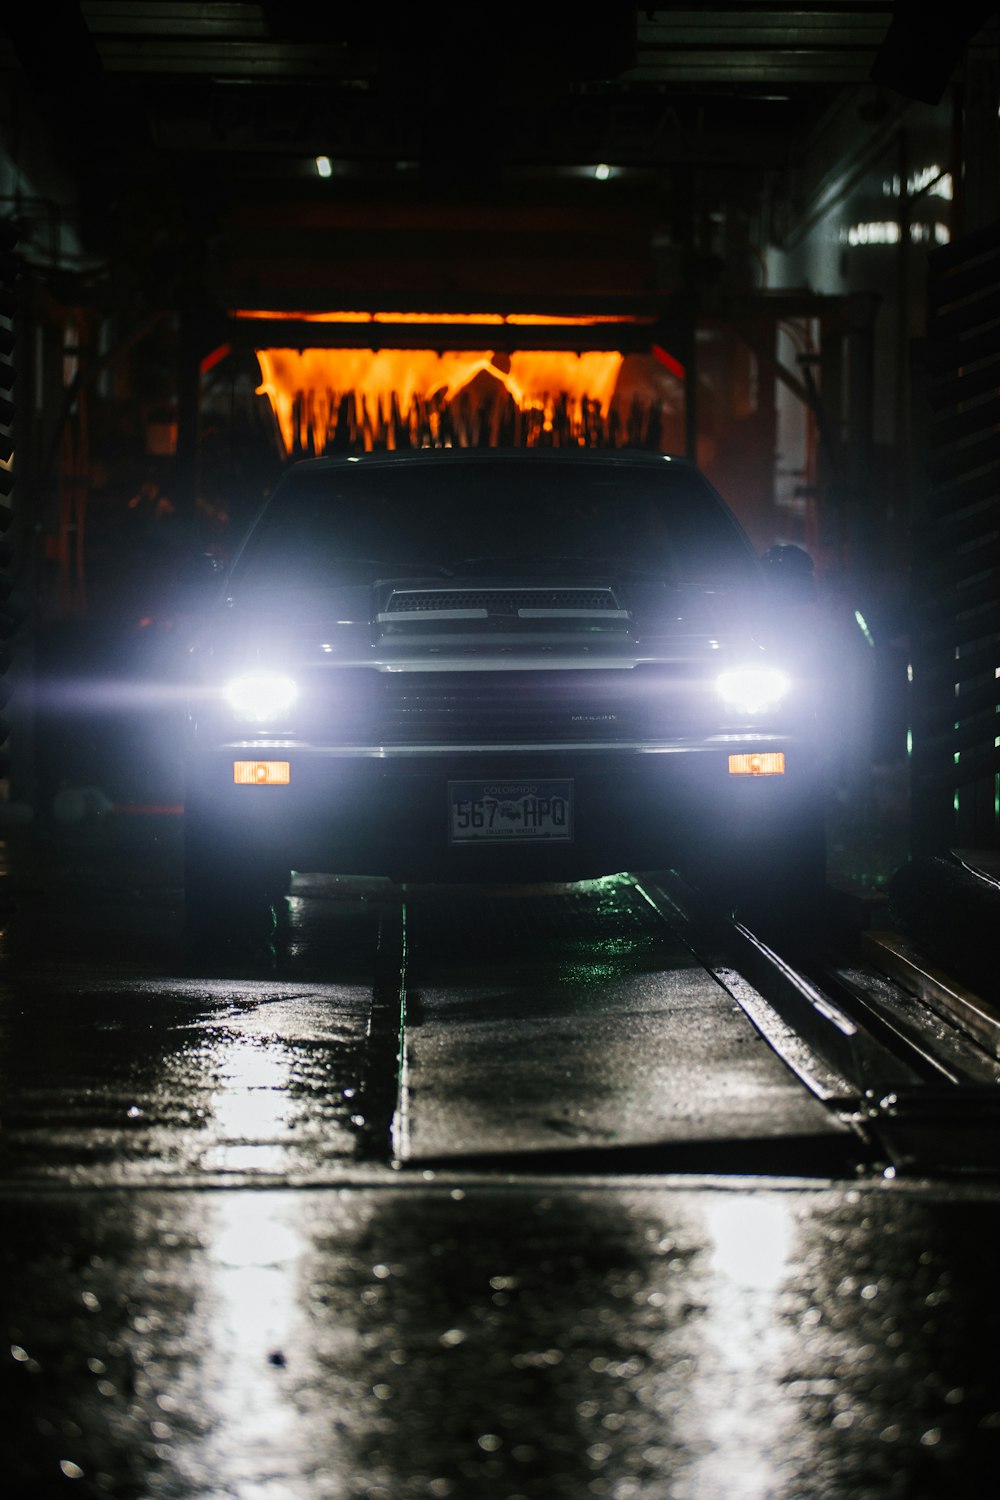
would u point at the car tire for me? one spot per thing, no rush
(781, 883)
(772, 882)
(231, 894)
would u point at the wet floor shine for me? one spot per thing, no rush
(550, 1340)
(217, 1284)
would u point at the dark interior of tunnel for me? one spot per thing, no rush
(510, 1169)
(236, 240)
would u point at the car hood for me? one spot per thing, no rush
(421, 624)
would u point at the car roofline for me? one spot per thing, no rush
(611, 457)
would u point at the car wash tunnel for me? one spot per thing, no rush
(500, 787)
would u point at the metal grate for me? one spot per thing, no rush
(505, 707)
(502, 601)
(11, 612)
(956, 558)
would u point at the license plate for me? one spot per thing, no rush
(507, 812)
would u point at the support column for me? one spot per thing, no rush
(860, 446)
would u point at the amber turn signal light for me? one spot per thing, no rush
(261, 772)
(759, 763)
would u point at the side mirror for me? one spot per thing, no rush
(201, 570)
(791, 572)
(199, 582)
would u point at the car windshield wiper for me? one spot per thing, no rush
(518, 559)
(654, 575)
(558, 560)
(414, 569)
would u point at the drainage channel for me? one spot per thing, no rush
(384, 1095)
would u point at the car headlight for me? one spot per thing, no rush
(752, 690)
(261, 697)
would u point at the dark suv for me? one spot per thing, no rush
(526, 665)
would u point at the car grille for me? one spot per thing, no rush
(503, 707)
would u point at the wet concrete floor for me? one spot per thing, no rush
(216, 1282)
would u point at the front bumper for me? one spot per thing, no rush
(387, 813)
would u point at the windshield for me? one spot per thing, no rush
(349, 524)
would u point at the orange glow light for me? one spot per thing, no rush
(305, 387)
(759, 763)
(261, 772)
(491, 318)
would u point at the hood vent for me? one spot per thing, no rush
(432, 605)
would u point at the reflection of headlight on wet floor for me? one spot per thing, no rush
(752, 690)
(261, 697)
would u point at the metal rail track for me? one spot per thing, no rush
(913, 1077)
(913, 1066)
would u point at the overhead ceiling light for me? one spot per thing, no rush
(323, 166)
